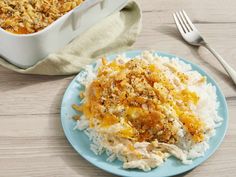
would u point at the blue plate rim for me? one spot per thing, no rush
(159, 53)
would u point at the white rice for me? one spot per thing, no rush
(206, 110)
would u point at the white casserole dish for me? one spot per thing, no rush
(27, 49)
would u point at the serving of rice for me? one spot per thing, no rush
(146, 109)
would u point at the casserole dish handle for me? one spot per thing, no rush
(77, 12)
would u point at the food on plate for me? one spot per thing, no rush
(29, 16)
(145, 109)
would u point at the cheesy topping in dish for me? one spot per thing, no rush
(29, 16)
(141, 97)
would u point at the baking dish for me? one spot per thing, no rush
(24, 50)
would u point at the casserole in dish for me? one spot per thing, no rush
(30, 16)
(24, 50)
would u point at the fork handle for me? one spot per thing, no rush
(231, 72)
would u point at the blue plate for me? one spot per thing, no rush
(171, 167)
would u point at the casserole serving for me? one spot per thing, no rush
(87, 147)
(24, 50)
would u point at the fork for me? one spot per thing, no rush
(192, 36)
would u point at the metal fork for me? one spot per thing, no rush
(191, 35)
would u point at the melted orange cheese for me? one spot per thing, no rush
(140, 93)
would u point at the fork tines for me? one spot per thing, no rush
(183, 21)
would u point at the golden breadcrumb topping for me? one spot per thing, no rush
(29, 16)
(139, 96)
